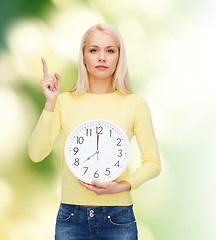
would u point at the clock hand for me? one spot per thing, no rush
(97, 141)
(90, 157)
(97, 145)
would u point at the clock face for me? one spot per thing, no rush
(97, 149)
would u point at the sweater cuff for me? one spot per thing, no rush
(149, 170)
(47, 112)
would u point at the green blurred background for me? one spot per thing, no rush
(171, 57)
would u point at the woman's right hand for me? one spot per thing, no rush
(50, 84)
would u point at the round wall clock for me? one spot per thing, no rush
(97, 149)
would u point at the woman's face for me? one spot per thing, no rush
(101, 50)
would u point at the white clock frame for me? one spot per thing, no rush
(104, 155)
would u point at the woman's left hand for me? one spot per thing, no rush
(106, 187)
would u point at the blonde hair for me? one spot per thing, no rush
(120, 79)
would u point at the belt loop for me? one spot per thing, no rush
(104, 209)
(76, 210)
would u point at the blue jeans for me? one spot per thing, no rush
(76, 222)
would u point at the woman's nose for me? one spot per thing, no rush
(102, 56)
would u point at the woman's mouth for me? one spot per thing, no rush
(101, 67)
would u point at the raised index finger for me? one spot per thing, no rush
(45, 69)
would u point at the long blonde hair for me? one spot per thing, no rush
(120, 79)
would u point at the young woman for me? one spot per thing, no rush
(101, 210)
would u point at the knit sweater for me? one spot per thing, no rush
(129, 111)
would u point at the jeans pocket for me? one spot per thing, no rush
(123, 218)
(64, 215)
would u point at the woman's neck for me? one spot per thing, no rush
(100, 87)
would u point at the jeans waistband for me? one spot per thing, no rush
(99, 211)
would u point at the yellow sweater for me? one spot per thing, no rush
(129, 111)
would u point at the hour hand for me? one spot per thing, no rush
(88, 158)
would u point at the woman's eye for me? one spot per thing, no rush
(110, 50)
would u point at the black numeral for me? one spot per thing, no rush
(76, 150)
(117, 164)
(96, 175)
(76, 163)
(118, 144)
(108, 172)
(80, 140)
(88, 132)
(110, 133)
(99, 130)
(85, 170)
(120, 152)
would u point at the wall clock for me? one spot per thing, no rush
(97, 149)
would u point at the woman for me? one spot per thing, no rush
(101, 210)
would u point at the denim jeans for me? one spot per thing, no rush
(76, 222)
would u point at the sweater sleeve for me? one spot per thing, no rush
(44, 134)
(144, 132)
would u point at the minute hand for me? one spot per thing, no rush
(97, 151)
